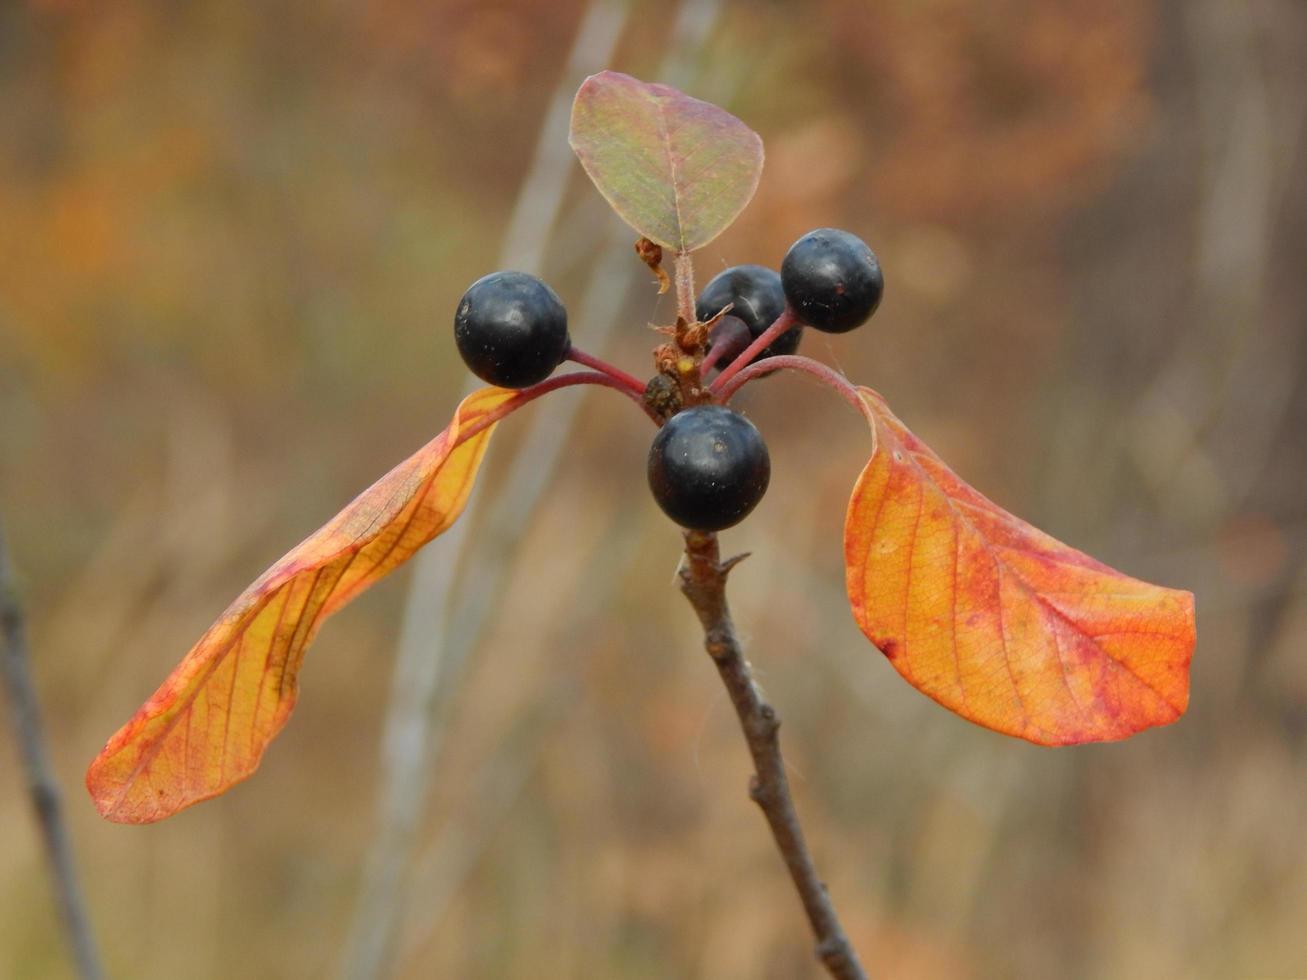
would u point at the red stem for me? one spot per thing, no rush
(710, 359)
(628, 381)
(792, 362)
(782, 324)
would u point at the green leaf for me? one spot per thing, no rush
(675, 169)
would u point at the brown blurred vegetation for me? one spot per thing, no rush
(231, 238)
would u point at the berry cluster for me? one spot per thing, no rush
(708, 465)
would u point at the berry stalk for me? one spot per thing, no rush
(783, 323)
(715, 354)
(793, 362)
(627, 381)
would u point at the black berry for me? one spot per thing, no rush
(832, 280)
(756, 297)
(511, 329)
(708, 468)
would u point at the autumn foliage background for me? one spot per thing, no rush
(231, 240)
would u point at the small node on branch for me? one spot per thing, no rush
(662, 396)
(718, 650)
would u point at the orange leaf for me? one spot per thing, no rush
(207, 725)
(996, 620)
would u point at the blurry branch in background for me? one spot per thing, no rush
(42, 786)
(1248, 134)
(1250, 123)
(434, 645)
(443, 867)
(425, 657)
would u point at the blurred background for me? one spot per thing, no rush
(231, 241)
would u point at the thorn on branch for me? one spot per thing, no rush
(725, 567)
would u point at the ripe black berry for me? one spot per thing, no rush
(511, 329)
(708, 467)
(832, 280)
(757, 298)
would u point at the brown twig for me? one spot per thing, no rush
(703, 580)
(42, 786)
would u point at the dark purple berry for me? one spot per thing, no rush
(511, 329)
(756, 297)
(708, 468)
(832, 280)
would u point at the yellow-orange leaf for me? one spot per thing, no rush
(207, 725)
(995, 619)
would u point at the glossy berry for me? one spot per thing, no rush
(832, 280)
(756, 297)
(511, 329)
(708, 468)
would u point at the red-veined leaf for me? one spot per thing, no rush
(996, 620)
(675, 169)
(207, 725)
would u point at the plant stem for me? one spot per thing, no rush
(684, 286)
(703, 581)
(42, 786)
(578, 356)
(710, 359)
(760, 343)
